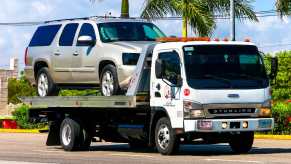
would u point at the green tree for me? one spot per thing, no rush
(199, 14)
(283, 7)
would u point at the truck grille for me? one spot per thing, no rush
(232, 111)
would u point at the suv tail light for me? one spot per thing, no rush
(26, 56)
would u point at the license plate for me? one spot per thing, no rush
(265, 123)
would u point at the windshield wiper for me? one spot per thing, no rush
(224, 80)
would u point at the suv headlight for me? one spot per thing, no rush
(265, 110)
(193, 110)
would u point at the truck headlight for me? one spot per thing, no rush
(265, 110)
(193, 110)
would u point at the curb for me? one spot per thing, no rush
(273, 137)
(20, 130)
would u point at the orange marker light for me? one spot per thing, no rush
(171, 39)
(247, 40)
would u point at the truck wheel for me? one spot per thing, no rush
(166, 140)
(44, 83)
(70, 134)
(242, 143)
(109, 81)
(85, 140)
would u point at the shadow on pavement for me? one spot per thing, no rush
(197, 150)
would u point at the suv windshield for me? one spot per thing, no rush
(129, 31)
(224, 67)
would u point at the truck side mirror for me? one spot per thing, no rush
(159, 68)
(85, 40)
(274, 68)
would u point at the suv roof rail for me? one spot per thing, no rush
(92, 18)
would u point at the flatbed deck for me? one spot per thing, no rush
(84, 102)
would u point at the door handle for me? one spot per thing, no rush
(75, 54)
(57, 54)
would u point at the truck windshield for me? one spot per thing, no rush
(224, 67)
(129, 31)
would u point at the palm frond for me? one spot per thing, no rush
(283, 7)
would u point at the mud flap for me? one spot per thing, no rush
(53, 138)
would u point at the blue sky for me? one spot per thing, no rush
(13, 40)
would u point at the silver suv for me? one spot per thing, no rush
(86, 53)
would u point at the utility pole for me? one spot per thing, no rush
(232, 20)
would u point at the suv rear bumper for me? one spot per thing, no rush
(29, 74)
(232, 125)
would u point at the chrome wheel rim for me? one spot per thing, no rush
(66, 135)
(163, 136)
(107, 84)
(42, 85)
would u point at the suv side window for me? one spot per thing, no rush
(68, 34)
(87, 30)
(171, 65)
(44, 35)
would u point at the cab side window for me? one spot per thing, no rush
(170, 66)
(68, 34)
(87, 30)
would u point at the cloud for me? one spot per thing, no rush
(42, 7)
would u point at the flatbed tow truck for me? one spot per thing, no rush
(184, 91)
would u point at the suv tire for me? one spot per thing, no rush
(109, 81)
(44, 84)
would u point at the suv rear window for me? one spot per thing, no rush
(44, 35)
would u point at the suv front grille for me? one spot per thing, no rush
(232, 111)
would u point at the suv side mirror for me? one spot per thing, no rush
(274, 68)
(86, 40)
(159, 69)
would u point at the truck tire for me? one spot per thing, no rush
(109, 81)
(44, 83)
(242, 143)
(167, 142)
(73, 136)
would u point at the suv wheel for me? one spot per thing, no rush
(109, 81)
(45, 85)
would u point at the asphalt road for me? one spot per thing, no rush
(31, 149)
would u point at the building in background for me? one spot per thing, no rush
(5, 74)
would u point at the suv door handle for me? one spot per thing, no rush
(75, 54)
(57, 54)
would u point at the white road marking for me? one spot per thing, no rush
(229, 160)
(17, 162)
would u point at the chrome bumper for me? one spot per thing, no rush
(232, 125)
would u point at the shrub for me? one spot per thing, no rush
(281, 112)
(18, 88)
(21, 116)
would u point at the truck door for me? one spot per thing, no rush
(166, 85)
(62, 57)
(84, 59)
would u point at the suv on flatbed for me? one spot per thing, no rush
(85, 53)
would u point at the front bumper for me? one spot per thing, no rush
(232, 125)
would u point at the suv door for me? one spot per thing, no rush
(64, 53)
(84, 62)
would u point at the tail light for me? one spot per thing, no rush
(26, 56)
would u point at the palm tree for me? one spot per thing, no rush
(124, 8)
(283, 7)
(199, 14)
